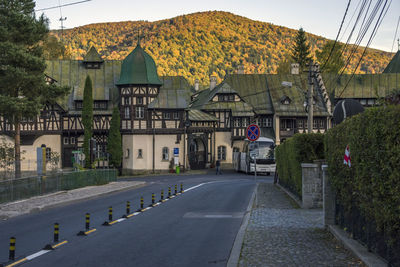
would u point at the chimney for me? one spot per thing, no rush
(213, 82)
(240, 69)
(294, 68)
(196, 84)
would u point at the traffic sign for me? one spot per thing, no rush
(253, 132)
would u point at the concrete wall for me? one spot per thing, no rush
(311, 185)
(145, 142)
(329, 203)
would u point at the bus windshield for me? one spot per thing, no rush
(261, 150)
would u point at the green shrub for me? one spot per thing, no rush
(372, 184)
(301, 148)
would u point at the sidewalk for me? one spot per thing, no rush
(279, 234)
(38, 203)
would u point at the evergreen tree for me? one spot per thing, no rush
(114, 141)
(23, 89)
(87, 119)
(335, 62)
(301, 49)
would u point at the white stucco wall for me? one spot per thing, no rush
(224, 139)
(145, 142)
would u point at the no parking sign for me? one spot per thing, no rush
(253, 132)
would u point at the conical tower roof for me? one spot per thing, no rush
(394, 64)
(139, 68)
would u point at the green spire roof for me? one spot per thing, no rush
(139, 68)
(394, 64)
(92, 56)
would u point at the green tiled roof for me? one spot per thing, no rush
(92, 56)
(174, 94)
(253, 89)
(198, 115)
(362, 85)
(268, 132)
(139, 68)
(295, 87)
(72, 73)
(394, 64)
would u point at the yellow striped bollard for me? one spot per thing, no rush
(181, 188)
(128, 208)
(11, 255)
(153, 199)
(56, 232)
(162, 195)
(141, 203)
(176, 190)
(87, 221)
(110, 214)
(169, 192)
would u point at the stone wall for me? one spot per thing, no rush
(311, 185)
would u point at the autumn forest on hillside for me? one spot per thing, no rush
(202, 44)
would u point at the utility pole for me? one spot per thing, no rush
(310, 96)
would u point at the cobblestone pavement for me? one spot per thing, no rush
(32, 204)
(279, 234)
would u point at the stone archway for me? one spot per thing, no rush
(197, 154)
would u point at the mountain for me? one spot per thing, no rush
(200, 44)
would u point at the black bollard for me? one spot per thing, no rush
(169, 192)
(162, 195)
(87, 221)
(153, 199)
(141, 203)
(181, 188)
(176, 190)
(11, 255)
(110, 214)
(56, 232)
(128, 207)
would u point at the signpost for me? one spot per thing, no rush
(176, 160)
(253, 133)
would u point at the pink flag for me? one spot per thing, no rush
(347, 159)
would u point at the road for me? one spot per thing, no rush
(197, 228)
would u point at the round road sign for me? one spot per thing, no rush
(253, 132)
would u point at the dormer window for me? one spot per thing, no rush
(285, 100)
(92, 59)
(226, 97)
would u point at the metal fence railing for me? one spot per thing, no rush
(365, 231)
(21, 188)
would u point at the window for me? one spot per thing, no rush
(140, 153)
(321, 124)
(72, 140)
(166, 115)
(222, 152)
(236, 122)
(165, 153)
(139, 100)
(315, 124)
(126, 100)
(48, 153)
(78, 104)
(127, 153)
(265, 122)
(140, 112)
(66, 140)
(176, 115)
(127, 113)
(99, 105)
(300, 123)
(245, 122)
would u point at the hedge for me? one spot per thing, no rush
(372, 183)
(301, 148)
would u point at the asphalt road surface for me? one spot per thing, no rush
(197, 228)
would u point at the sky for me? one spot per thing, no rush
(320, 17)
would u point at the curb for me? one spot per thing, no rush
(237, 245)
(290, 194)
(369, 258)
(72, 201)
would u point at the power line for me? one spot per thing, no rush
(337, 36)
(69, 4)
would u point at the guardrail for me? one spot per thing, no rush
(21, 188)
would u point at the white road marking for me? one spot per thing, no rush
(218, 216)
(193, 187)
(37, 254)
(120, 220)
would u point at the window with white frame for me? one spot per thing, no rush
(176, 116)
(166, 115)
(236, 122)
(165, 153)
(245, 122)
(222, 152)
(127, 113)
(139, 112)
(66, 140)
(139, 100)
(72, 140)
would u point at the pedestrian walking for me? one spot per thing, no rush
(218, 167)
